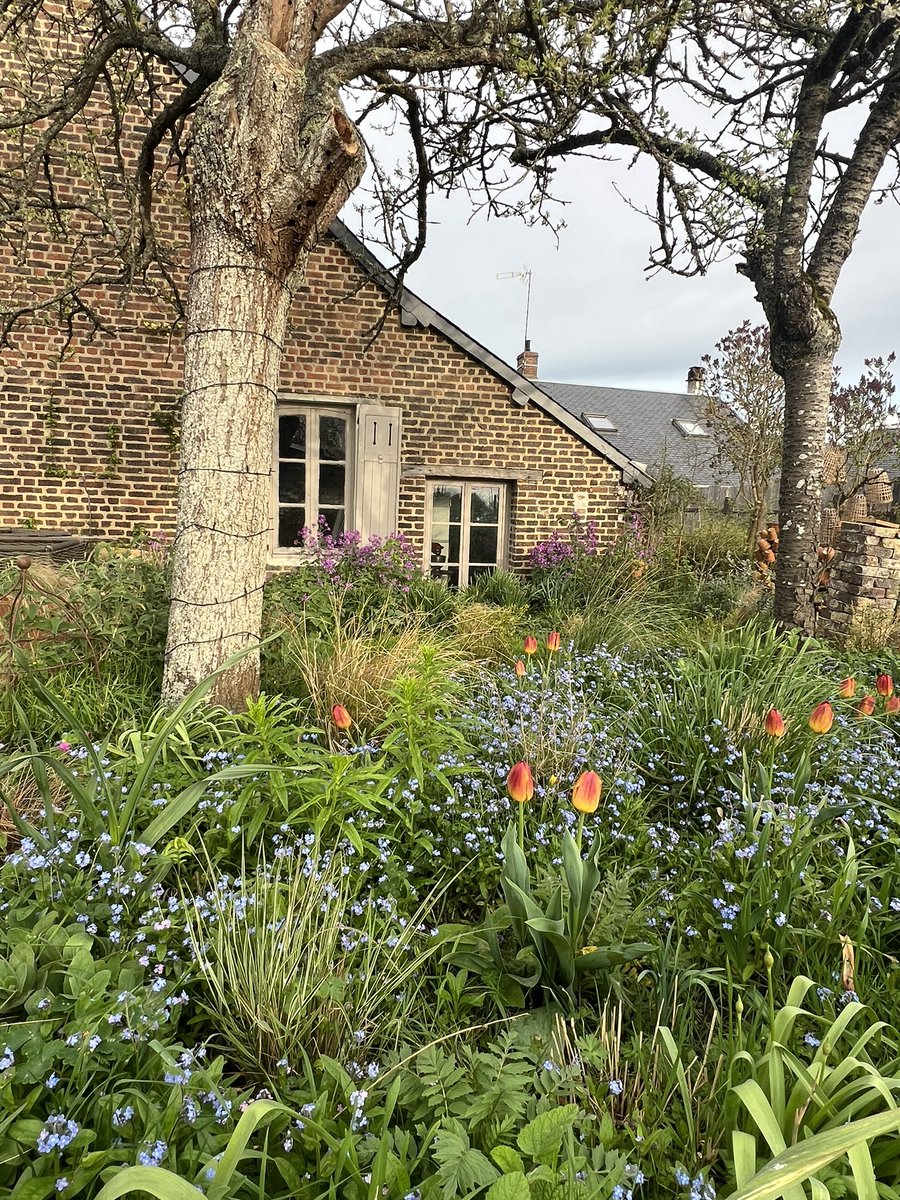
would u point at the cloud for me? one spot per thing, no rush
(595, 316)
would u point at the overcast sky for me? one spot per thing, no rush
(596, 317)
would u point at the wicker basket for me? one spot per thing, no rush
(879, 492)
(834, 466)
(828, 526)
(855, 509)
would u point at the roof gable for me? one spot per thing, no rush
(415, 311)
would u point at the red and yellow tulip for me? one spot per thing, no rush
(821, 718)
(553, 641)
(519, 668)
(884, 685)
(587, 791)
(847, 689)
(341, 717)
(520, 783)
(774, 723)
(866, 706)
(530, 645)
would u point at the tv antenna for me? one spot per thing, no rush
(525, 277)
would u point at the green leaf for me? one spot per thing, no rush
(507, 1159)
(461, 1169)
(542, 1138)
(34, 1189)
(513, 1186)
(156, 1181)
(787, 1171)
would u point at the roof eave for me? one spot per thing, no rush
(414, 310)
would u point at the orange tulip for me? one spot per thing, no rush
(341, 717)
(884, 685)
(847, 690)
(520, 668)
(586, 792)
(530, 645)
(774, 723)
(821, 718)
(866, 706)
(520, 784)
(552, 641)
(892, 705)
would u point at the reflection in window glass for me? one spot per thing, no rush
(465, 522)
(311, 473)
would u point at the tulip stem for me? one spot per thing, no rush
(522, 828)
(580, 831)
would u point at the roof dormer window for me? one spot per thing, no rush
(689, 428)
(600, 424)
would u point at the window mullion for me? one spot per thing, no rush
(312, 469)
(465, 522)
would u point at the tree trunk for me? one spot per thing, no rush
(274, 157)
(236, 323)
(807, 393)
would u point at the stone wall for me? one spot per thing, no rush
(864, 586)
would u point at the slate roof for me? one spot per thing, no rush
(415, 311)
(645, 427)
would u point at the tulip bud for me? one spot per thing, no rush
(892, 705)
(884, 685)
(847, 690)
(774, 723)
(821, 718)
(530, 645)
(866, 706)
(520, 668)
(586, 792)
(341, 717)
(552, 641)
(520, 784)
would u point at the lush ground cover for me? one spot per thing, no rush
(277, 954)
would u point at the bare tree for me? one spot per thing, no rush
(862, 426)
(261, 103)
(771, 126)
(743, 408)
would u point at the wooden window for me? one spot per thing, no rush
(465, 530)
(311, 481)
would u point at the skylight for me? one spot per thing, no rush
(690, 428)
(601, 424)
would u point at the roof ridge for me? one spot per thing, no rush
(414, 311)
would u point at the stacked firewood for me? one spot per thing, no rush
(767, 553)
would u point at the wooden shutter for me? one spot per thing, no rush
(377, 469)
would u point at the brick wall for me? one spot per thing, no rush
(87, 444)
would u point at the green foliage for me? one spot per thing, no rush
(550, 948)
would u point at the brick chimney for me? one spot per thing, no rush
(527, 362)
(695, 378)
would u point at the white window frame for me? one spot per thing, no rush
(315, 408)
(468, 486)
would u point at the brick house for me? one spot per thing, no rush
(419, 429)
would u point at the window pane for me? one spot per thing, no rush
(292, 436)
(333, 438)
(331, 484)
(292, 483)
(481, 569)
(446, 503)
(290, 522)
(483, 542)
(333, 519)
(485, 506)
(452, 577)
